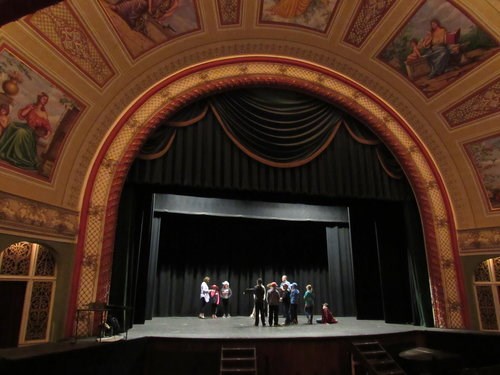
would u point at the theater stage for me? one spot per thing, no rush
(233, 328)
(242, 327)
(189, 345)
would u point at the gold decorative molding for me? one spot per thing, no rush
(27, 216)
(478, 105)
(478, 241)
(367, 18)
(60, 26)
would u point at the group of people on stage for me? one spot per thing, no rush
(267, 302)
(217, 298)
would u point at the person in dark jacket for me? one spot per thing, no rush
(273, 301)
(259, 301)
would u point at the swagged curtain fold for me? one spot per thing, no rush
(278, 128)
(269, 141)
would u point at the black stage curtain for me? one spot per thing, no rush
(205, 154)
(241, 250)
(389, 263)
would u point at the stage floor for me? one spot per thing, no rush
(242, 327)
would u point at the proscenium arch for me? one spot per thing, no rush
(102, 193)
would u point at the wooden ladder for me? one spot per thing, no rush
(238, 360)
(374, 359)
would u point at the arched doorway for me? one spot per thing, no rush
(28, 281)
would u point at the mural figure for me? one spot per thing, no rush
(145, 24)
(311, 14)
(485, 156)
(137, 13)
(434, 58)
(4, 117)
(436, 48)
(290, 8)
(18, 144)
(415, 54)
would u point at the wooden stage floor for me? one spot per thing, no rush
(242, 327)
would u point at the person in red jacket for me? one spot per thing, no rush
(326, 316)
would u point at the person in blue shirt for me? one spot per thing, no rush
(294, 302)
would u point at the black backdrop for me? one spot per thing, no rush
(237, 250)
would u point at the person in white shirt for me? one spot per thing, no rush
(226, 294)
(204, 296)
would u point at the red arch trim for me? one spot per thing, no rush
(211, 87)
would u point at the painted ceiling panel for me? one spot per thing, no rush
(175, 34)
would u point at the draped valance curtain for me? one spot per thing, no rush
(278, 128)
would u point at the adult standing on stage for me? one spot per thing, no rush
(273, 299)
(294, 302)
(285, 302)
(204, 296)
(226, 294)
(284, 281)
(259, 300)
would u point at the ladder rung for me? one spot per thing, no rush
(238, 356)
(384, 361)
(231, 348)
(361, 343)
(373, 352)
(237, 369)
(238, 359)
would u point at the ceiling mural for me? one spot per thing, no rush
(367, 17)
(480, 104)
(62, 28)
(438, 45)
(310, 14)
(35, 117)
(485, 157)
(145, 24)
(229, 12)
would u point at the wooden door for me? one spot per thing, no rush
(12, 294)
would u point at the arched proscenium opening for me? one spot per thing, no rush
(102, 193)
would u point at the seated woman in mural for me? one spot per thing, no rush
(436, 49)
(18, 144)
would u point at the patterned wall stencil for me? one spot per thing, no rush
(36, 117)
(143, 25)
(310, 14)
(20, 214)
(485, 157)
(479, 240)
(229, 12)
(60, 26)
(437, 46)
(483, 103)
(367, 17)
